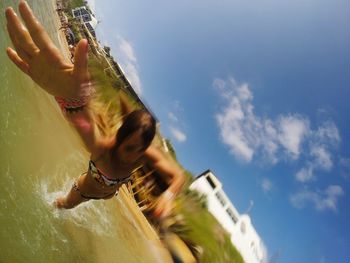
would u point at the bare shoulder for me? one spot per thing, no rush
(101, 148)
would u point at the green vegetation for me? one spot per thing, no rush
(74, 24)
(75, 29)
(101, 73)
(206, 232)
(197, 197)
(71, 4)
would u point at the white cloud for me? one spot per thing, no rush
(178, 135)
(288, 137)
(321, 201)
(176, 124)
(133, 76)
(172, 117)
(292, 131)
(322, 157)
(328, 131)
(128, 62)
(127, 49)
(305, 174)
(245, 133)
(237, 122)
(266, 185)
(232, 133)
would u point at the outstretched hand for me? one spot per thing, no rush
(163, 206)
(37, 56)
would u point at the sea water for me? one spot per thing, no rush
(40, 156)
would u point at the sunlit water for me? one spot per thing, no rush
(40, 157)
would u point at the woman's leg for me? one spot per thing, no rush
(73, 198)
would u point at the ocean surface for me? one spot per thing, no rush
(40, 156)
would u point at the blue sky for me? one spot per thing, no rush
(258, 93)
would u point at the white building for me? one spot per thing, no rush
(243, 234)
(86, 18)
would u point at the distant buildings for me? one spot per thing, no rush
(243, 234)
(88, 19)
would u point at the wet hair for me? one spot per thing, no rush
(138, 121)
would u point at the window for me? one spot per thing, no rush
(89, 27)
(211, 182)
(232, 215)
(220, 198)
(76, 13)
(84, 11)
(86, 18)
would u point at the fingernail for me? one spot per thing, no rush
(27, 5)
(10, 9)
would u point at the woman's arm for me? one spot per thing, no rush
(35, 54)
(175, 175)
(84, 123)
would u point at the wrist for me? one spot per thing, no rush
(169, 195)
(78, 102)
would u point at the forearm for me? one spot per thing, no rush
(177, 183)
(165, 202)
(83, 122)
(172, 172)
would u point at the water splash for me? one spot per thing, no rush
(82, 215)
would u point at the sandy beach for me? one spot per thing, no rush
(61, 35)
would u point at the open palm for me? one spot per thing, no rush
(37, 56)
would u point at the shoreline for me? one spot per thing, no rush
(129, 202)
(63, 45)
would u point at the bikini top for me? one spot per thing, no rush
(100, 177)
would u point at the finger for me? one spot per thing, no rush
(21, 52)
(23, 55)
(17, 60)
(9, 13)
(18, 33)
(36, 30)
(81, 59)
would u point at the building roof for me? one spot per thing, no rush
(204, 173)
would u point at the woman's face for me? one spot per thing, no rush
(131, 149)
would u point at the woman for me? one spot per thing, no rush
(112, 159)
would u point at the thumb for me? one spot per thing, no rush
(81, 60)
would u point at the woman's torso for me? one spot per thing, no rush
(100, 182)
